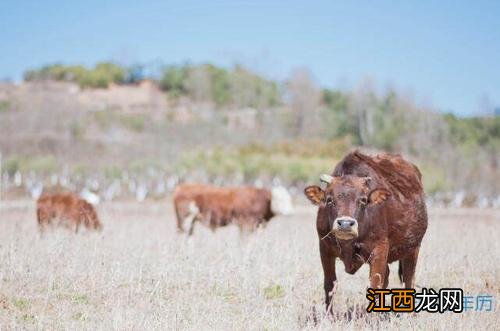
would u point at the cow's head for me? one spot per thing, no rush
(345, 201)
(89, 216)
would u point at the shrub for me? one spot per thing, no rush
(256, 162)
(100, 76)
(12, 165)
(5, 106)
(174, 80)
(133, 122)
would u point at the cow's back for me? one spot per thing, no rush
(219, 206)
(391, 171)
(60, 204)
(253, 203)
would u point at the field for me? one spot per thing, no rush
(140, 274)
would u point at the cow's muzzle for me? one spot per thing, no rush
(345, 228)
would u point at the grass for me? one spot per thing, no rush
(77, 129)
(434, 179)
(293, 162)
(256, 162)
(25, 164)
(134, 123)
(20, 303)
(81, 299)
(274, 292)
(79, 316)
(140, 274)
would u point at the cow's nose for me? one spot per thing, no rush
(345, 223)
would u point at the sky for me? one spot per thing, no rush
(446, 54)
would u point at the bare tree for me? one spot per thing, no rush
(362, 102)
(305, 101)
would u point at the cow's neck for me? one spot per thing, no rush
(352, 253)
(346, 249)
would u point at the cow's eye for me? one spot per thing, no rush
(329, 200)
(363, 200)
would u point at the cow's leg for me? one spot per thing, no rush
(41, 220)
(190, 221)
(191, 218)
(179, 218)
(244, 226)
(41, 228)
(251, 224)
(244, 232)
(262, 224)
(408, 264)
(378, 266)
(386, 281)
(330, 277)
(179, 226)
(39, 216)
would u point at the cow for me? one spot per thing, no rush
(247, 207)
(67, 210)
(372, 211)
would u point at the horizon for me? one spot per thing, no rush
(396, 45)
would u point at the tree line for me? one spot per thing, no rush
(467, 150)
(234, 87)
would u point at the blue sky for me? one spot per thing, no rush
(445, 53)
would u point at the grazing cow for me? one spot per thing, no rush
(213, 206)
(371, 211)
(67, 210)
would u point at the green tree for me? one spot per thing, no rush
(174, 79)
(100, 76)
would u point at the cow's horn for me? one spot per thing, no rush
(326, 178)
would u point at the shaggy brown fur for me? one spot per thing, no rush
(400, 175)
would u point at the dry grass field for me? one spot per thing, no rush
(139, 274)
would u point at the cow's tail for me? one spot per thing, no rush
(41, 218)
(400, 272)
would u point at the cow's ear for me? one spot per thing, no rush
(378, 195)
(315, 194)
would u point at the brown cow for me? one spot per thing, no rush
(213, 206)
(371, 211)
(67, 210)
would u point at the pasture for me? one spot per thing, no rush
(140, 274)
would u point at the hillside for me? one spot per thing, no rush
(227, 125)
